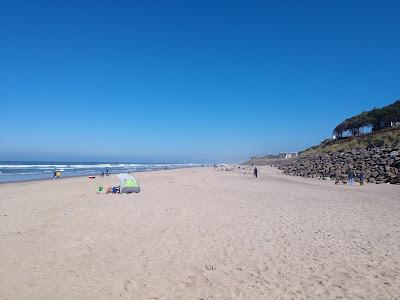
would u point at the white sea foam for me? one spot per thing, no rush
(27, 173)
(34, 170)
(30, 166)
(86, 166)
(71, 166)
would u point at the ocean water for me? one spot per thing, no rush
(11, 171)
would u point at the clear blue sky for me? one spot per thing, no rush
(188, 80)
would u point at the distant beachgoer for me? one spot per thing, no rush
(362, 177)
(107, 173)
(255, 172)
(337, 177)
(102, 174)
(113, 190)
(55, 174)
(351, 177)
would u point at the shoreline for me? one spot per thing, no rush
(96, 175)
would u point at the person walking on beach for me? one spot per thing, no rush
(362, 178)
(351, 177)
(255, 172)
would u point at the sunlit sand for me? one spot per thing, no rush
(199, 234)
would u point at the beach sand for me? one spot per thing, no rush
(200, 234)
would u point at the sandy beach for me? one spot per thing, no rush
(200, 234)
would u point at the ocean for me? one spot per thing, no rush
(11, 171)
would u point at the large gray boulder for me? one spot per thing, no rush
(379, 165)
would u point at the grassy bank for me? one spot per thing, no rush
(385, 138)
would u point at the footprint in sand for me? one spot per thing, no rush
(210, 267)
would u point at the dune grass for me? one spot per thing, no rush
(384, 138)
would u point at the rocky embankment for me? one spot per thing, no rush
(380, 165)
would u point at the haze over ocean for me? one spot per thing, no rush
(179, 81)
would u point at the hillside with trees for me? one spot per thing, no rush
(379, 127)
(382, 123)
(375, 154)
(376, 119)
(389, 137)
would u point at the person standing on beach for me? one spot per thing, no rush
(255, 172)
(351, 177)
(337, 177)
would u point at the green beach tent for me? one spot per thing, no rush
(128, 183)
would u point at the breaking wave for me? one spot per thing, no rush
(11, 171)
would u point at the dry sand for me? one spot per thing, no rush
(200, 234)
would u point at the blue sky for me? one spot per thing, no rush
(188, 80)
